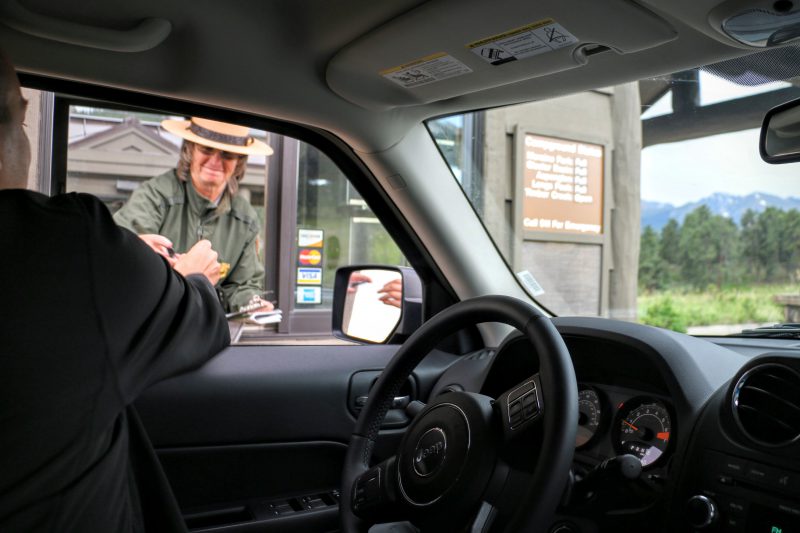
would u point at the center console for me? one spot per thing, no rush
(742, 470)
(738, 495)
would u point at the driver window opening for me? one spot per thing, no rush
(309, 220)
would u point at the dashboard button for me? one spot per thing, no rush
(774, 478)
(734, 466)
(725, 480)
(733, 524)
(788, 482)
(760, 473)
(701, 511)
(789, 509)
(529, 399)
(520, 391)
(720, 463)
(529, 405)
(735, 508)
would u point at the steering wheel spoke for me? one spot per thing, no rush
(414, 408)
(520, 407)
(484, 518)
(374, 497)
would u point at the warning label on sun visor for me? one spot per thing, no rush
(435, 67)
(528, 41)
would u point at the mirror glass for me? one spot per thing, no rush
(372, 304)
(782, 135)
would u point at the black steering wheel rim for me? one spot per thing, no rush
(559, 394)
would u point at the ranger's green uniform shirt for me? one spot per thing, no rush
(167, 206)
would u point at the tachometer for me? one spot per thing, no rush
(644, 429)
(589, 416)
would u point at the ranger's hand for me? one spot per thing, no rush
(356, 279)
(255, 301)
(201, 259)
(160, 245)
(392, 293)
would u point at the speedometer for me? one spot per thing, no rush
(589, 416)
(644, 429)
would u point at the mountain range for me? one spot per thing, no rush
(657, 214)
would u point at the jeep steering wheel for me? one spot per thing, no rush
(449, 473)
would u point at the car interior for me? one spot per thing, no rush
(480, 408)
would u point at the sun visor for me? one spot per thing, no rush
(448, 48)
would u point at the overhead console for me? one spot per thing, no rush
(745, 24)
(447, 48)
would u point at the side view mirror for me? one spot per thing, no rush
(376, 304)
(780, 134)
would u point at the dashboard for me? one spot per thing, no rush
(624, 404)
(715, 426)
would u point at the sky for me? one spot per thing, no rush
(687, 171)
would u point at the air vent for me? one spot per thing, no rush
(766, 404)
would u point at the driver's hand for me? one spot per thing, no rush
(201, 259)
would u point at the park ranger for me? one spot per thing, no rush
(198, 200)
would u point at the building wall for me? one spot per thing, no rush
(573, 269)
(32, 121)
(113, 167)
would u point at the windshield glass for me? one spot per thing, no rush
(646, 201)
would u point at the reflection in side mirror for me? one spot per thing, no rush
(372, 304)
(780, 134)
(377, 304)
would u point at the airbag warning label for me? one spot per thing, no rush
(435, 67)
(534, 39)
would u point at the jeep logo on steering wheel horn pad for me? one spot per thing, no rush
(430, 451)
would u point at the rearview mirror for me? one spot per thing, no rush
(780, 134)
(376, 303)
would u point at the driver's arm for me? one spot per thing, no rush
(156, 322)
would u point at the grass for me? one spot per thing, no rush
(679, 309)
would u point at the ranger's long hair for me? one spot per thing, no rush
(183, 169)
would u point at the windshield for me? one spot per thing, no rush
(646, 201)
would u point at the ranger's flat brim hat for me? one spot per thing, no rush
(219, 135)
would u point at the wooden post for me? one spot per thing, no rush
(625, 223)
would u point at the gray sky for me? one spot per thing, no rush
(687, 171)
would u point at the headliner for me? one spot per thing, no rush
(317, 62)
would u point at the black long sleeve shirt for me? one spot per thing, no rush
(90, 318)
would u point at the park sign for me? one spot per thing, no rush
(562, 186)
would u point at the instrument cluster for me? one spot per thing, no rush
(634, 424)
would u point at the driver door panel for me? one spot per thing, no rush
(255, 439)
